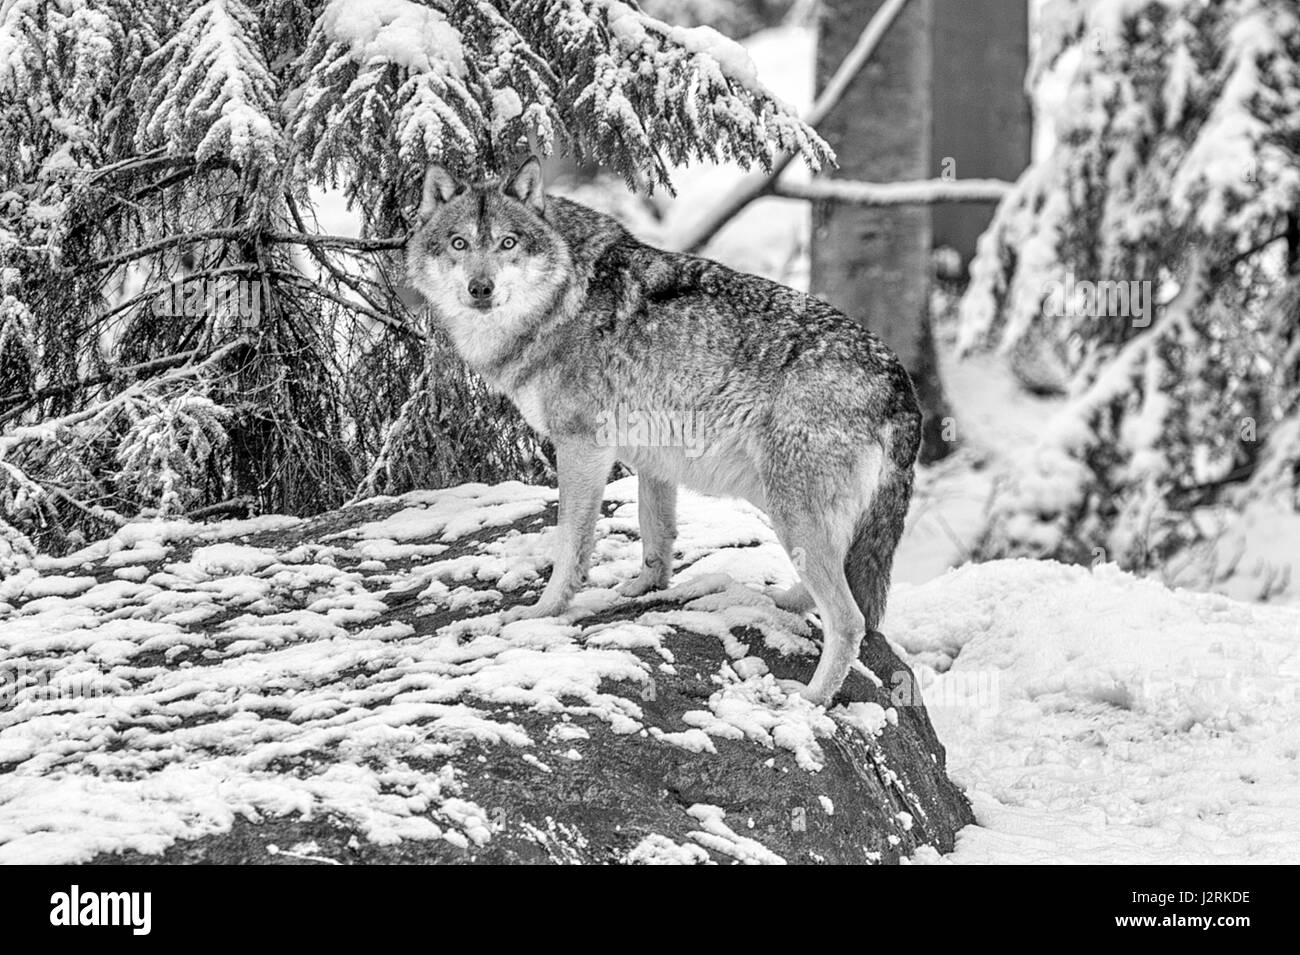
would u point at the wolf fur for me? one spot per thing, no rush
(807, 414)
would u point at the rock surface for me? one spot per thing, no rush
(341, 689)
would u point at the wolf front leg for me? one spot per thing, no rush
(583, 469)
(656, 511)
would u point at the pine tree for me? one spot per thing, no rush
(1176, 164)
(177, 334)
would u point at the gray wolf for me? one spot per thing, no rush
(808, 415)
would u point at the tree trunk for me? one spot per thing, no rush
(874, 263)
(982, 126)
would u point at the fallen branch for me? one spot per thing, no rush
(236, 505)
(758, 184)
(918, 192)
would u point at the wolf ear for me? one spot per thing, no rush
(526, 185)
(439, 186)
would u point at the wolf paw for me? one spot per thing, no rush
(530, 612)
(798, 688)
(641, 584)
(794, 599)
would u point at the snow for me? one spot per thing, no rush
(655, 849)
(720, 837)
(1166, 134)
(633, 28)
(408, 34)
(1124, 722)
(1093, 715)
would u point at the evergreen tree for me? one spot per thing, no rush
(1177, 164)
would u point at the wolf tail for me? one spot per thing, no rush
(870, 558)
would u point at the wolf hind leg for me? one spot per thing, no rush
(657, 515)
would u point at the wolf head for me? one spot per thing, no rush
(484, 255)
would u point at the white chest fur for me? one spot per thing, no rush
(528, 400)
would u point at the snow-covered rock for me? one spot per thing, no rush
(347, 684)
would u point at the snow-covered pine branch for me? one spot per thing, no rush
(209, 91)
(60, 66)
(169, 446)
(484, 82)
(639, 91)
(161, 437)
(386, 88)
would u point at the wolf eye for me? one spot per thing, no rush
(459, 244)
(509, 242)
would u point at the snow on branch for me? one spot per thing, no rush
(168, 441)
(45, 430)
(636, 91)
(919, 192)
(1173, 165)
(209, 90)
(386, 87)
(474, 87)
(1173, 126)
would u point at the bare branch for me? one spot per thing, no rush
(918, 192)
(324, 260)
(296, 238)
(352, 304)
(235, 505)
(868, 40)
(155, 291)
(337, 241)
(165, 243)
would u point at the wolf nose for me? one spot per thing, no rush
(480, 289)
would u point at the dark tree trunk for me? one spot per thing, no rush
(981, 118)
(874, 263)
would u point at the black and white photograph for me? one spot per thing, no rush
(651, 432)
